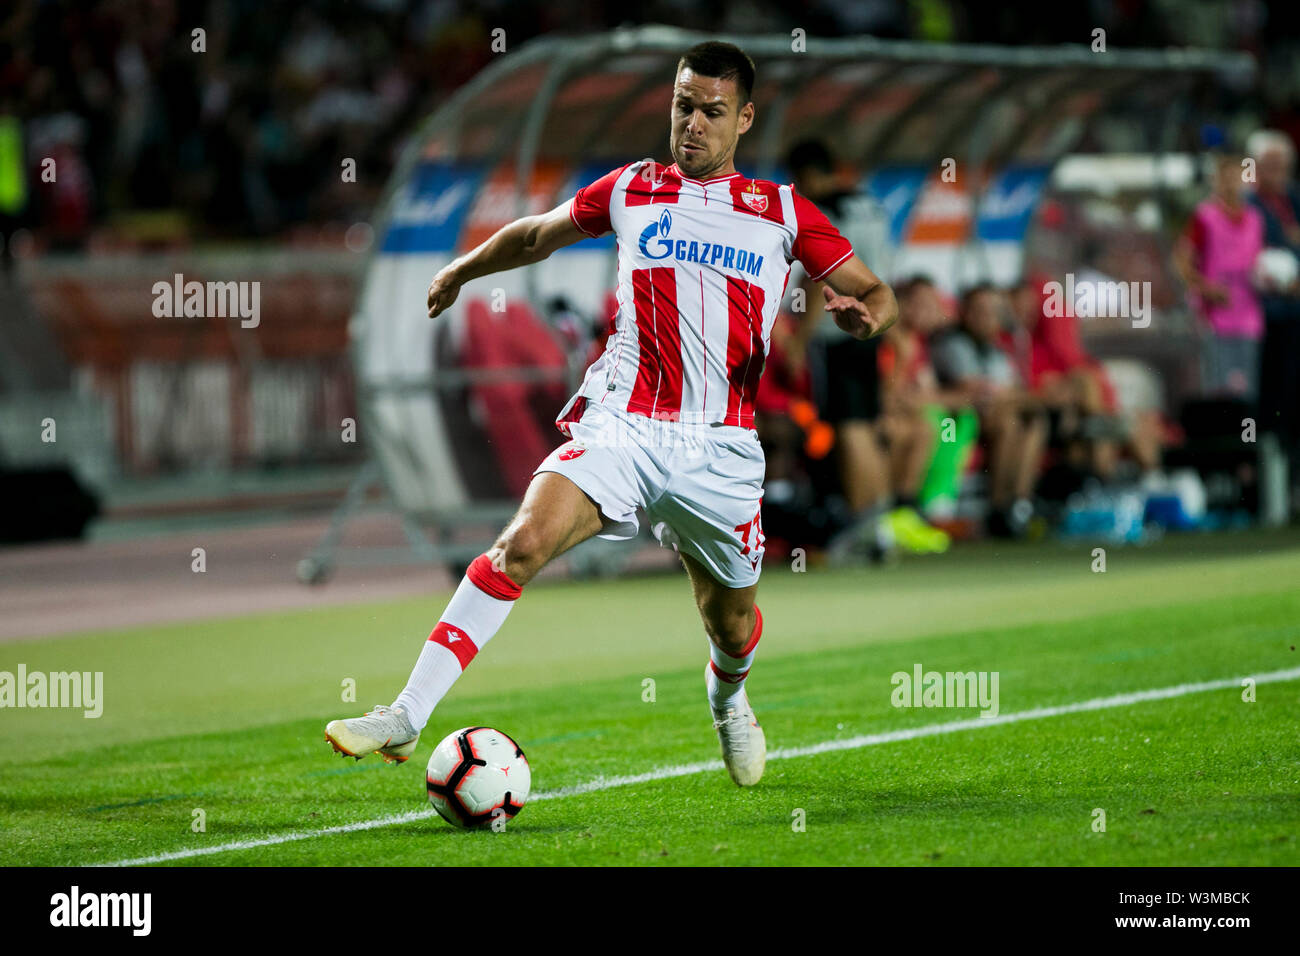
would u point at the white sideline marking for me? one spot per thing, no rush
(784, 753)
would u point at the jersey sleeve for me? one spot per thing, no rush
(818, 245)
(590, 207)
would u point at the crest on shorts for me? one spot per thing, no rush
(753, 198)
(572, 452)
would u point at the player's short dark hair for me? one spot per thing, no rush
(724, 61)
(809, 154)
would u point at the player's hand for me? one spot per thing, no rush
(442, 291)
(850, 314)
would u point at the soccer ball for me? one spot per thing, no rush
(477, 776)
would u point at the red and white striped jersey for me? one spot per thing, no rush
(702, 269)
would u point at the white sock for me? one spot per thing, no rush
(726, 678)
(473, 615)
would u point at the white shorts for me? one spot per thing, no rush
(701, 486)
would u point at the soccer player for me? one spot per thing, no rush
(664, 418)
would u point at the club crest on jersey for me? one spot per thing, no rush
(757, 197)
(754, 199)
(694, 250)
(573, 451)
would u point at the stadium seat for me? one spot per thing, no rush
(516, 416)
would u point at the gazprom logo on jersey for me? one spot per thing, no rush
(692, 250)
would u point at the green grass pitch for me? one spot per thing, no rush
(226, 716)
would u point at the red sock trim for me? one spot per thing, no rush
(456, 641)
(484, 575)
(753, 638)
(726, 678)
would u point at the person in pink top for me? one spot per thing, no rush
(1216, 258)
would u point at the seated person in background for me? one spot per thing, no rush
(845, 370)
(953, 423)
(912, 411)
(1071, 384)
(969, 362)
(785, 418)
(795, 444)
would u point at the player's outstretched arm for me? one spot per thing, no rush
(862, 304)
(525, 241)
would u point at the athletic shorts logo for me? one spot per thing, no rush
(572, 452)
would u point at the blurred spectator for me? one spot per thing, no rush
(786, 420)
(13, 179)
(1278, 201)
(246, 137)
(845, 373)
(1216, 258)
(1073, 386)
(796, 446)
(1069, 382)
(912, 411)
(909, 375)
(969, 361)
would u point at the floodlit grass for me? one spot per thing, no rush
(226, 716)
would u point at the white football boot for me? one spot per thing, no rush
(744, 748)
(386, 731)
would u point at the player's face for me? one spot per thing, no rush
(707, 121)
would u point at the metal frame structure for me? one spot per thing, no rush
(913, 81)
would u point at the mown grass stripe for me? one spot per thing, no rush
(784, 753)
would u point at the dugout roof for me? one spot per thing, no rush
(589, 98)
